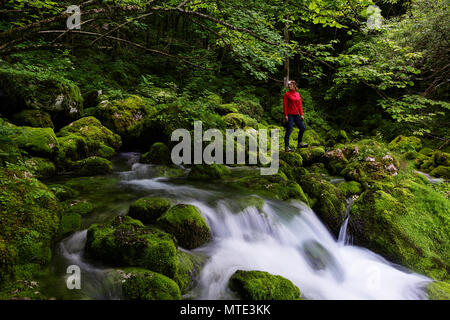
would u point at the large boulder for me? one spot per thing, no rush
(187, 224)
(159, 153)
(39, 142)
(407, 223)
(21, 90)
(141, 284)
(208, 172)
(259, 285)
(29, 221)
(326, 200)
(127, 242)
(149, 209)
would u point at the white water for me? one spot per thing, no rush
(284, 239)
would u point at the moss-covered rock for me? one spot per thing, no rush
(404, 144)
(224, 109)
(63, 192)
(326, 200)
(81, 207)
(259, 285)
(187, 224)
(93, 132)
(92, 166)
(33, 118)
(275, 186)
(142, 284)
(123, 116)
(159, 153)
(335, 161)
(72, 147)
(312, 154)
(239, 121)
(189, 266)
(208, 172)
(312, 138)
(292, 158)
(59, 97)
(40, 142)
(441, 172)
(245, 202)
(41, 168)
(148, 210)
(29, 220)
(439, 290)
(349, 188)
(127, 242)
(407, 223)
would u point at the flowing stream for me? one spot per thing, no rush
(284, 238)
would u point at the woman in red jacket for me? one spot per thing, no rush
(293, 112)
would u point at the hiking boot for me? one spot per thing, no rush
(302, 145)
(287, 149)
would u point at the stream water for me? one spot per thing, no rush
(284, 238)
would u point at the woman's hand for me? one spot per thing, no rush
(302, 117)
(286, 117)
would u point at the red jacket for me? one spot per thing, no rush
(292, 103)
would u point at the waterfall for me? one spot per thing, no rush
(282, 238)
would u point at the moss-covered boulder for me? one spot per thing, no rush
(404, 144)
(335, 161)
(292, 158)
(276, 186)
(407, 223)
(312, 154)
(249, 201)
(189, 266)
(92, 166)
(208, 172)
(239, 121)
(259, 285)
(224, 109)
(187, 224)
(159, 153)
(127, 242)
(312, 138)
(33, 118)
(123, 116)
(326, 200)
(350, 188)
(148, 210)
(94, 133)
(39, 142)
(441, 172)
(41, 168)
(142, 284)
(21, 90)
(29, 219)
(439, 290)
(63, 192)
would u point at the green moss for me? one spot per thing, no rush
(312, 154)
(224, 109)
(29, 216)
(441, 171)
(148, 210)
(187, 224)
(292, 158)
(123, 116)
(404, 144)
(312, 138)
(93, 132)
(70, 222)
(327, 200)
(92, 166)
(141, 284)
(439, 290)
(245, 202)
(259, 285)
(40, 167)
(63, 192)
(159, 153)
(81, 207)
(350, 188)
(239, 121)
(33, 118)
(126, 242)
(335, 161)
(40, 142)
(208, 172)
(275, 186)
(407, 223)
(73, 147)
(189, 266)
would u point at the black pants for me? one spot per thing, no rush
(290, 126)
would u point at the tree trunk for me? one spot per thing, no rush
(286, 59)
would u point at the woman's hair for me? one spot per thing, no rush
(294, 83)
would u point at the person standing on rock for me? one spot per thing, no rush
(293, 113)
